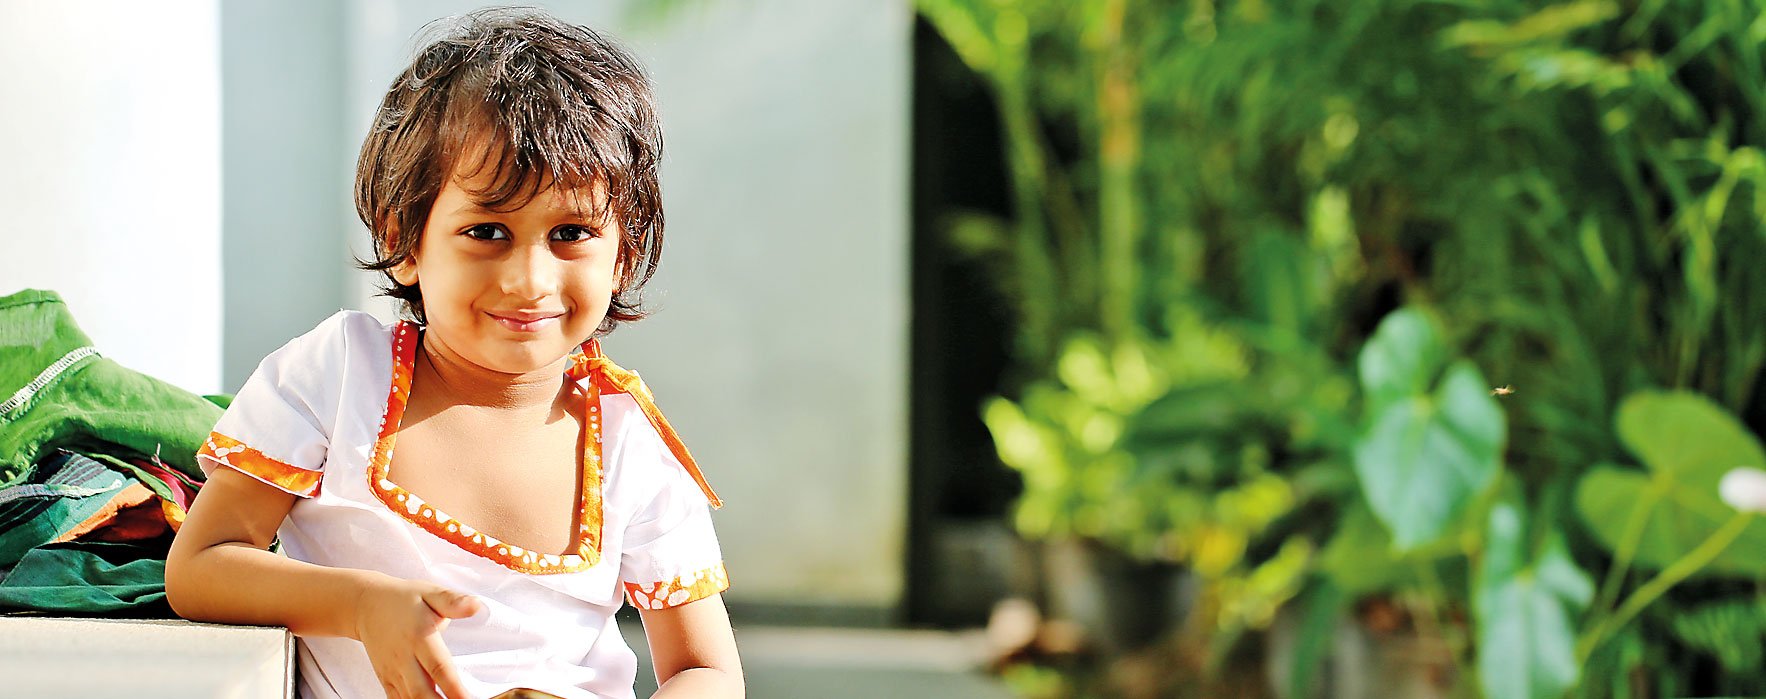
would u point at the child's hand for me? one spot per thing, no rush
(399, 622)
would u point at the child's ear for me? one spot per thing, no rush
(405, 273)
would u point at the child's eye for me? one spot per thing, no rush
(572, 234)
(487, 231)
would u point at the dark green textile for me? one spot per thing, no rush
(82, 577)
(65, 491)
(94, 406)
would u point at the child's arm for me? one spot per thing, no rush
(220, 569)
(693, 650)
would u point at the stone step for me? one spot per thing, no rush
(105, 658)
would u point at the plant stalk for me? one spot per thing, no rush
(1692, 562)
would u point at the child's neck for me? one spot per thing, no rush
(443, 372)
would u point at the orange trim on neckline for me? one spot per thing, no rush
(586, 363)
(415, 510)
(609, 376)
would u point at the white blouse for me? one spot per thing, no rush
(319, 419)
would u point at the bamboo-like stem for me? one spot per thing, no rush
(1118, 148)
(1038, 285)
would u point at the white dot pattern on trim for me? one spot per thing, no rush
(436, 522)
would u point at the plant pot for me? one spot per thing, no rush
(1122, 603)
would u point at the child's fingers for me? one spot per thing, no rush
(438, 664)
(414, 682)
(450, 604)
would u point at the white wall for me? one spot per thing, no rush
(110, 175)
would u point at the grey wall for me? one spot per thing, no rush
(779, 343)
(286, 187)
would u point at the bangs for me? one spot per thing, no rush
(529, 145)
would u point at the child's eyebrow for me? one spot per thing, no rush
(576, 208)
(472, 207)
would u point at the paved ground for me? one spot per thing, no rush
(793, 663)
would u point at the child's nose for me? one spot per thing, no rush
(531, 272)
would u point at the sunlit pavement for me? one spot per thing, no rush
(791, 663)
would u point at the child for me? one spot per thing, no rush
(510, 184)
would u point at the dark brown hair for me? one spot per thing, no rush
(541, 104)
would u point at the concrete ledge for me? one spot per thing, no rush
(43, 657)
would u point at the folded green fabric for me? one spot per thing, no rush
(86, 577)
(57, 391)
(66, 490)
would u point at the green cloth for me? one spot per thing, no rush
(93, 406)
(71, 489)
(86, 577)
(56, 391)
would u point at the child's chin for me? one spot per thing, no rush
(531, 357)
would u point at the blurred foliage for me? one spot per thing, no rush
(1428, 447)
(1269, 258)
(1654, 516)
(1526, 603)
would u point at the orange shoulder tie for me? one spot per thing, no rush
(610, 377)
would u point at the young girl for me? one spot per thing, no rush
(510, 184)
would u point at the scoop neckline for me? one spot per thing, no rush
(406, 339)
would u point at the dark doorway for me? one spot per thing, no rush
(962, 555)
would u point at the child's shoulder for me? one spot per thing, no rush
(347, 337)
(344, 330)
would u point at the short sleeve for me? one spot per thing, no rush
(671, 556)
(278, 427)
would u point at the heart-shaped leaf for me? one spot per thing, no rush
(1678, 518)
(1525, 604)
(1426, 456)
(1686, 435)
(1686, 444)
(1401, 359)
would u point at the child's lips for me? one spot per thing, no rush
(527, 322)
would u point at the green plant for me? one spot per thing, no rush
(1561, 198)
(1161, 449)
(1669, 517)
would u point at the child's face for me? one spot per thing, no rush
(514, 291)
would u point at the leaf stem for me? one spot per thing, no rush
(1679, 570)
(1629, 540)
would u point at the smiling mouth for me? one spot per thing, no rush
(527, 322)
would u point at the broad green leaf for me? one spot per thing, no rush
(1686, 444)
(1678, 518)
(1525, 605)
(1425, 458)
(1401, 358)
(1686, 436)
